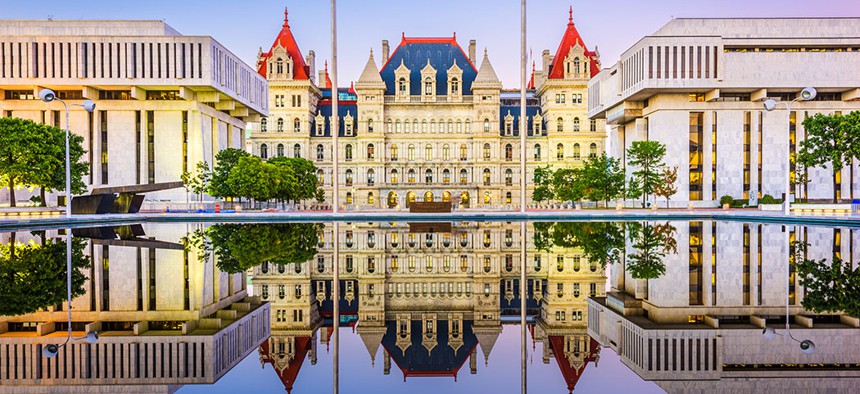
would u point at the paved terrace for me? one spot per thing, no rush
(738, 215)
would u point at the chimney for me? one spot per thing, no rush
(546, 60)
(472, 51)
(384, 51)
(311, 61)
(321, 81)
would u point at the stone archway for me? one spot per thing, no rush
(410, 198)
(428, 196)
(392, 199)
(464, 199)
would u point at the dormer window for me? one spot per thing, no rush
(402, 87)
(576, 65)
(428, 86)
(455, 87)
(279, 66)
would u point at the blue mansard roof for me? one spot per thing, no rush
(414, 53)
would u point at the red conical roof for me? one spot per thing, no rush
(286, 40)
(570, 374)
(289, 374)
(570, 39)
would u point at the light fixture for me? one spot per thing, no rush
(51, 350)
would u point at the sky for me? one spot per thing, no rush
(245, 26)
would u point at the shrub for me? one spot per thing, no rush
(768, 199)
(726, 200)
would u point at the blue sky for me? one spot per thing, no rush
(613, 25)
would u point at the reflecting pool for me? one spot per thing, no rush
(429, 307)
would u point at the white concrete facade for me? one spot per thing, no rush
(724, 69)
(166, 101)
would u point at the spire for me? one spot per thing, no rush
(286, 19)
(327, 79)
(570, 16)
(370, 75)
(486, 73)
(287, 42)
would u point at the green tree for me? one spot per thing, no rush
(198, 181)
(543, 184)
(828, 286)
(652, 243)
(600, 242)
(667, 187)
(225, 160)
(602, 178)
(830, 139)
(647, 157)
(54, 162)
(239, 247)
(302, 184)
(254, 179)
(567, 184)
(34, 276)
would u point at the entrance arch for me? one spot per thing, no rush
(464, 199)
(410, 198)
(446, 196)
(392, 199)
(428, 197)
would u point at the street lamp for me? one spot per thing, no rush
(806, 94)
(48, 95)
(51, 350)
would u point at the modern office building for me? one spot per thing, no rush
(697, 86)
(428, 296)
(164, 101)
(166, 317)
(741, 280)
(429, 121)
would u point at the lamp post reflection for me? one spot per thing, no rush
(523, 285)
(335, 291)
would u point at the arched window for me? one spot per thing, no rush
(576, 151)
(486, 151)
(371, 177)
(592, 150)
(463, 152)
(349, 198)
(392, 202)
(487, 199)
(464, 202)
(393, 152)
(576, 65)
(264, 151)
(402, 87)
(433, 126)
(428, 152)
(509, 152)
(280, 125)
(464, 176)
(264, 124)
(428, 86)
(508, 198)
(348, 152)
(450, 126)
(559, 125)
(371, 151)
(486, 124)
(370, 125)
(455, 86)
(446, 152)
(297, 125)
(320, 152)
(321, 177)
(509, 177)
(575, 124)
(428, 197)
(446, 176)
(424, 126)
(410, 176)
(280, 150)
(297, 151)
(559, 151)
(428, 176)
(389, 126)
(410, 152)
(394, 179)
(446, 197)
(486, 177)
(348, 177)
(279, 66)
(537, 151)
(370, 199)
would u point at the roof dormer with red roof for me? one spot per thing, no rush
(284, 59)
(572, 59)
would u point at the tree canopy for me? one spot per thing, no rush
(652, 242)
(829, 286)
(601, 242)
(647, 157)
(225, 160)
(832, 140)
(243, 246)
(34, 276)
(602, 178)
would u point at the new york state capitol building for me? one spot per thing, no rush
(432, 124)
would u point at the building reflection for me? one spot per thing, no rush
(698, 327)
(430, 295)
(166, 317)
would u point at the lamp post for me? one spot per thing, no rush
(769, 105)
(48, 95)
(806, 345)
(51, 350)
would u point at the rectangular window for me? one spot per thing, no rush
(683, 61)
(91, 142)
(666, 62)
(792, 149)
(105, 278)
(760, 140)
(137, 145)
(185, 140)
(115, 95)
(698, 62)
(659, 51)
(674, 62)
(163, 95)
(151, 270)
(707, 62)
(650, 62)
(696, 155)
(746, 263)
(103, 120)
(696, 268)
(747, 154)
(714, 156)
(713, 263)
(150, 146)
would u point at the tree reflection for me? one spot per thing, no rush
(652, 243)
(239, 247)
(34, 275)
(601, 242)
(828, 286)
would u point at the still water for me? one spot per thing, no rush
(432, 307)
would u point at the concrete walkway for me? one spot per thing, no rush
(743, 215)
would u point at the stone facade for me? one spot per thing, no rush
(697, 86)
(164, 101)
(432, 124)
